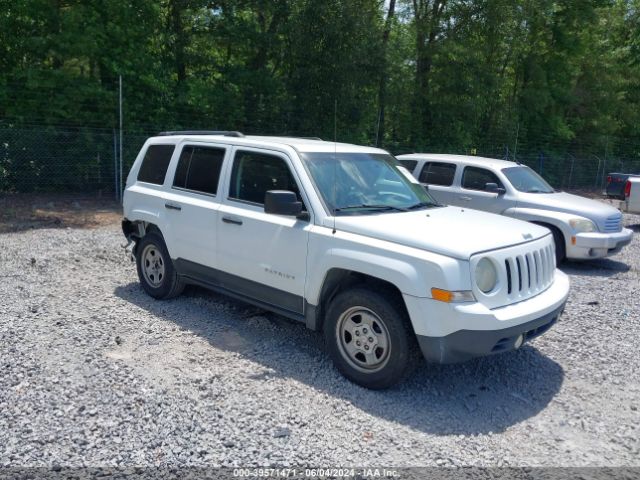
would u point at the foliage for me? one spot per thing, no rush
(519, 78)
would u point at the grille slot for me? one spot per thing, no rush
(537, 262)
(519, 274)
(613, 224)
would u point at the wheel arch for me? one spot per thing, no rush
(545, 218)
(340, 279)
(136, 229)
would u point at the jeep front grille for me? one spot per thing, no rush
(529, 272)
(524, 271)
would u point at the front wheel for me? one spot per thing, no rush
(561, 249)
(558, 240)
(156, 272)
(369, 338)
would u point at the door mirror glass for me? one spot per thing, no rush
(282, 202)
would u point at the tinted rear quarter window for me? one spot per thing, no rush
(199, 169)
(438, 173)
(155, 163)
(409, 164)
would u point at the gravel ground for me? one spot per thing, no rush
(96, 373)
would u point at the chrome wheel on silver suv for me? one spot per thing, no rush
(369, 337)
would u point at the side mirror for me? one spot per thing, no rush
(282, 202)
(494, 188)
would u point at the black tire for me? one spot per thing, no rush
(390, 317)
(162, 284)
(561, 247)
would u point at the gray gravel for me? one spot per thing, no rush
(96, 373)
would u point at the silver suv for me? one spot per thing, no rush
(582, 228)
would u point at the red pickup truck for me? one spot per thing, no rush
(616, 183)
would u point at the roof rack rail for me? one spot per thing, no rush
(226, 133)
(292, 136)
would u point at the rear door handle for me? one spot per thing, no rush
(465, 198)
(233, 221)
(172, 206)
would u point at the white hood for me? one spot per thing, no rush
(451, 231)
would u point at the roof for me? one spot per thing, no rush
(466, 159)
(300, 144)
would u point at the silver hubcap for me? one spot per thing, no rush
(152, 265)
(363, 339)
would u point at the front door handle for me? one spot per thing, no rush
(233, 221)
(465, 198)
(172, 206)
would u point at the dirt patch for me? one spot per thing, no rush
(22, 211)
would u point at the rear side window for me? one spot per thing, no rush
(409, 164)
(254, 174)
(475, 178)
(199, 169)
(155, 163)
(438, 173)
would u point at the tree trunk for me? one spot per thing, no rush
(179, 41)
(428, 14)
(382, 89)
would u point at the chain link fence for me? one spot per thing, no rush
(86, 160)
(64, 159)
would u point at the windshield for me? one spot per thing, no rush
(526, 180)
(359, 183)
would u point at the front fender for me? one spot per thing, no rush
(414, 272)
(560, 220)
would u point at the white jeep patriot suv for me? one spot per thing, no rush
(344, 239)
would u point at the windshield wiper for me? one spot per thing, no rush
(423, 205)
(365, 206)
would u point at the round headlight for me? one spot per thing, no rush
(486, 275)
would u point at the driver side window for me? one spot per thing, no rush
(475, 178)
(254, 174)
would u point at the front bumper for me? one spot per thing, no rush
(450, 333)
(598, 245)
(464, 345)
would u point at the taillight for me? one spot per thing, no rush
(609, 179)
(627, 189)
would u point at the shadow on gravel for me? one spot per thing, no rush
(601, 267)
(635, 228)
(477, 397)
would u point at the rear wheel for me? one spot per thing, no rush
(369, 338)
(156, 272)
